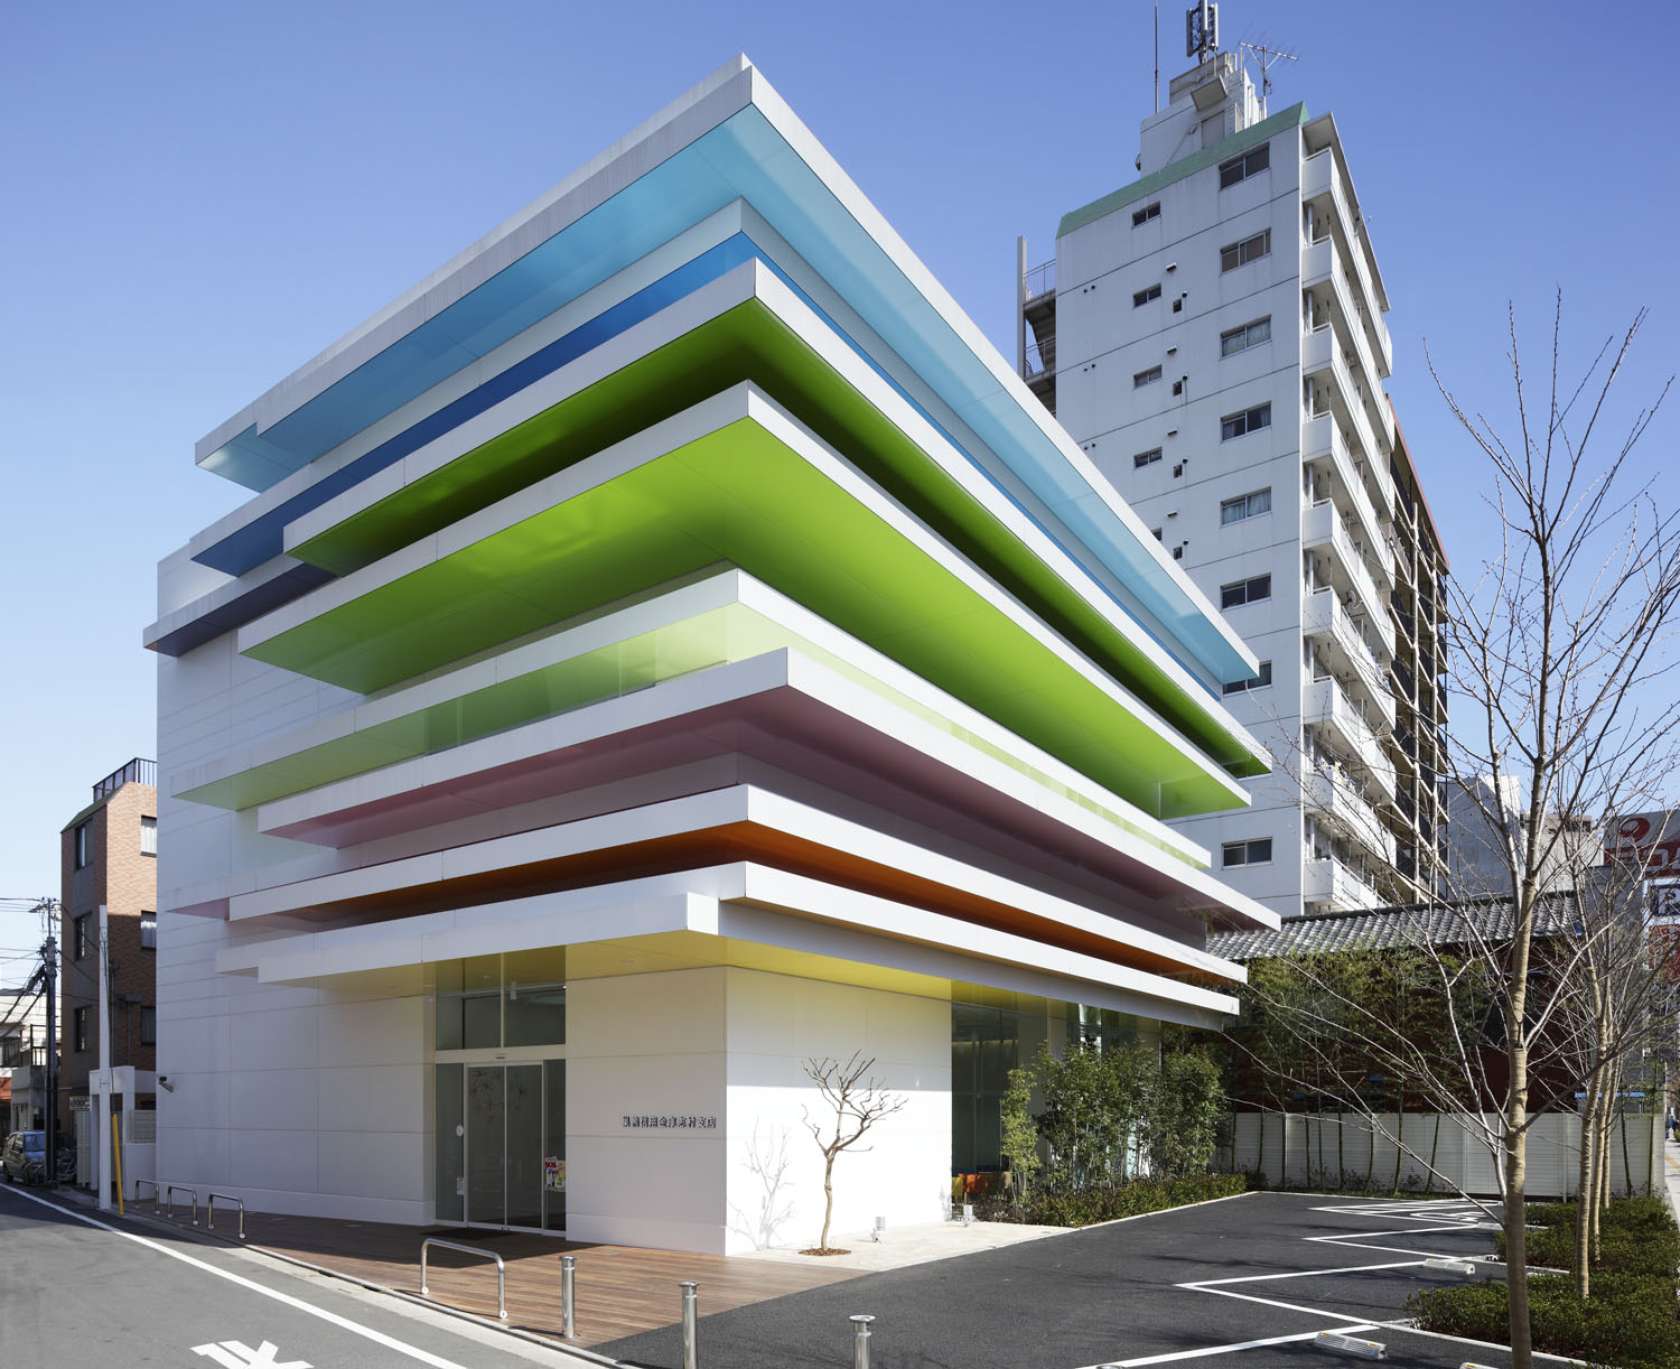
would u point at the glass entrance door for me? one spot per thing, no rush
(501, 1144)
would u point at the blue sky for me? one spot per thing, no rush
(205, 195)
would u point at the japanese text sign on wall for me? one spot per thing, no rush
(670, 1121)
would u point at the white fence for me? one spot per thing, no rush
(1436, 1152)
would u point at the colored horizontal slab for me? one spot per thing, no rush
(735, 481)
(774, 340)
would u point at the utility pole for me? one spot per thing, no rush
(49, 971)
(103, 1136)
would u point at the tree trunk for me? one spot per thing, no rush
(1399, 1132)
(828, 1201)
(1516, 1234)
(1586, 1190)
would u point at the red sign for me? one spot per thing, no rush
(1651, 840)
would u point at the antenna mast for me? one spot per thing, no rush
(1266, 57)
(1157, 56)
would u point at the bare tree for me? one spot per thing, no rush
(1562, 653)
(858, 1102)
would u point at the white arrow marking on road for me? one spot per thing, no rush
(235, 1354)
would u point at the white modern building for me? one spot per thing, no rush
(1212, 337)
(666, 647)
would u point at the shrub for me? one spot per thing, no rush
(1629, 1322)
(1106, 1202)
(1637, 1237)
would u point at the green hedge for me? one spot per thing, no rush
(1632, 1319)
(1106, 1202)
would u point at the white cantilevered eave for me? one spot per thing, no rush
(336, 895)
(751, 903)
(742, 401)
(734, 87)
(751, 281)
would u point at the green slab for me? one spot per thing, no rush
(751, 342)
(740, 496)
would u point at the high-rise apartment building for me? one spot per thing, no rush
(1212, 337)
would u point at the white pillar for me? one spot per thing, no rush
(102, 1098)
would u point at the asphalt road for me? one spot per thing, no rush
(74, 1294)
(1264, 1267)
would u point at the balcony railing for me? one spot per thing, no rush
(1321, 526)
(1332, 791)
(1328, 880)
(1321, 269)
(1040, 280)
(1326, 704)
(1320, 439)
(1320, 356)
(1038, 364)
(136, 771)
(1320, 176)
(1322, 615)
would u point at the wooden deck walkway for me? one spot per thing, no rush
(621, 1290)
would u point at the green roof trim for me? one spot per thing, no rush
(1292, 117)
(740, 496)
(752, 342)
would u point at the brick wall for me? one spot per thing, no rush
(119, 876)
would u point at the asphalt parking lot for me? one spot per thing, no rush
(1247, 1281)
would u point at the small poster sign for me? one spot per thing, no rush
(554, 1174)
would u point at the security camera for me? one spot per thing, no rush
(164, 1084)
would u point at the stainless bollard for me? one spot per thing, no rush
(690, 1326)
(860, 1341)
(568, 1296)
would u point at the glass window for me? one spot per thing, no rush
(1148, 458)
(1240, 592)
(1261, 681)
(1144, 215)
(469, 1003)
(451, 1180)
(535, 1004)
(82, 839)
(148, 1026)
(1238, 169)
(148, 836)
(148, 931)
(83, 930)
(1142, 297)
(1249, 249)
(1148, 377)
(1245, 421)
(79, 1030)
(1254, 852)
(1236, 340)
(1245, 506)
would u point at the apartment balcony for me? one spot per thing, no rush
(1326, 282)
(1330, 884)
(1322, 187)
(1326, 705)
(1338, 394)
(1324, 529)
(1342, 643)
(1321, 441)
(1334, 795)
(137, 771)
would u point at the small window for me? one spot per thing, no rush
(1250, 591)
(1148, 377)
(1255, 160)
(83, 844)
(1261, 681)
(1142, 297)
(79, 1030)
(1245, 506)
(83, 930)
(1144, 215)
(1256, 852)
(1249, 335)
(148, 1026)
(1249, 249)
(1156, 533)
(1245, 421)
(148, 836)
(148, 931)
(1148, 458)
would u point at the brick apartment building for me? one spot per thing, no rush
(109, 856)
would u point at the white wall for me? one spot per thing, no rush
(728, 1044)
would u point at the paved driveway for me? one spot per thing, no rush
(1200, 1285)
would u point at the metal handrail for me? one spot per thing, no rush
(169, 1190)
(157, 1193)
(501, 1268)
(210, 1211)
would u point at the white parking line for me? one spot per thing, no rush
(1176, 1355)
(344, 1323)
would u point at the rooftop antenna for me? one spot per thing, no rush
(1157, 56)
(1201, 31)
(1266, 57)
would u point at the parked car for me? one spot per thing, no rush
(24, 1157)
